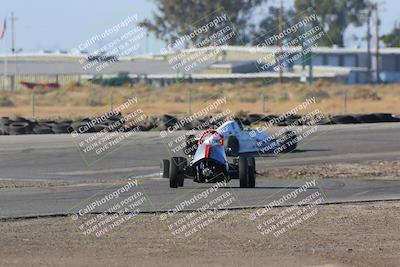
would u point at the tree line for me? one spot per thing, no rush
(175, 18)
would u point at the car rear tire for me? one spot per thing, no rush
(252, 162)
(174, 172)
(165, 168)
(289, 141)
(231, 144)
(251, 173)
(243, 170)
(182, 162)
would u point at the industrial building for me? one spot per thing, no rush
(229, 64)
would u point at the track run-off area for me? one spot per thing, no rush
(136, 161)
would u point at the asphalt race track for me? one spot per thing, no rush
(57, 157)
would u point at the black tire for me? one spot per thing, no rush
(251, 176)
(243, 170)
(187, 126)
(253, 118)
(46, 123)
(167, 121)
(5, 121)
(17, 128)
(166, 118)
(191, 145)
(18, 119)
(42, 130)
(99, 127)
(386, 117)
(75, 125)
(252, 162)
(231, 144)
(165, 168)
(60, 128)
(113, 125)
(292, 119)
(5, 129)
(182, 162)
(344, 119)
(325, 121)
(367, 118)
(251, 172)
(269, 118)
(290, 141)
(173, 172)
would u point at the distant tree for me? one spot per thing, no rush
(175, 18)
(392, 39)
(269, 25)
(335, 16)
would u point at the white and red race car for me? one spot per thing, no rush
(208, 155)
(238, 141)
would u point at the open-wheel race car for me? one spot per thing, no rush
(239, 141)
(209, 164)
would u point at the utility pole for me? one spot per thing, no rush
(280, 29)
(147, 43)
(14, 77)
(33, 102)
(12, 33)
(190, 96)
(111, 99)
(369, 76)
(377, 55)
(310, 69)
(5, 80)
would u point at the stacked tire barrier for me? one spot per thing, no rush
(18, 125)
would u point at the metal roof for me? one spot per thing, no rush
(70, 68)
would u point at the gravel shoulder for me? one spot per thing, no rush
(366, 234)
(366, 170)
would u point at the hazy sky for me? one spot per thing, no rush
(62, 25)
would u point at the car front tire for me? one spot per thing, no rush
(165, 168)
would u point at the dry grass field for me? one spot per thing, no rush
(84, 101)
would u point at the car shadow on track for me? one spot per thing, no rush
(257, 187)
(266, 155)
(308, 150)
